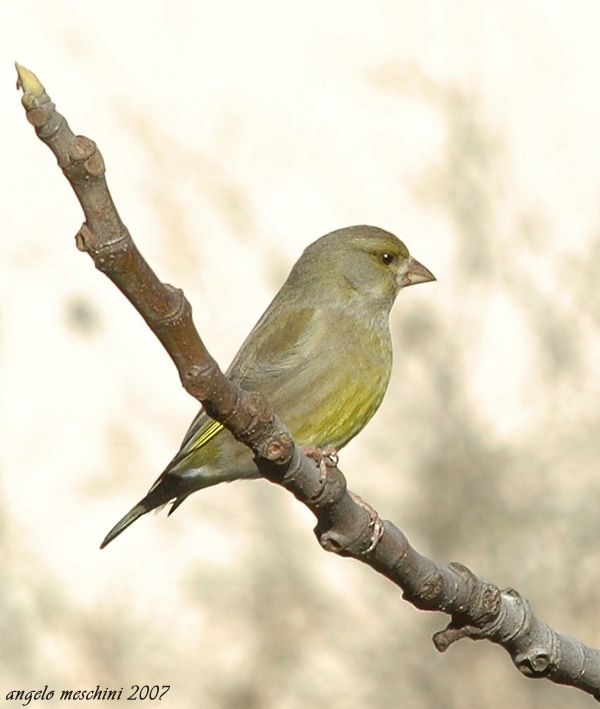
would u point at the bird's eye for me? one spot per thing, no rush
(386, 258)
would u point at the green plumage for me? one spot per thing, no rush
(321, 354)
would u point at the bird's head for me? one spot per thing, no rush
(359, 262)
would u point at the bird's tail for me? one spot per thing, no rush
(174, 487)
(140, 509)
(168, 487)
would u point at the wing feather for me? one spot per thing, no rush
(266, 351)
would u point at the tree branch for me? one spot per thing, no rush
(345, 524)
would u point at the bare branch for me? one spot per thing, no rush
(345, 524)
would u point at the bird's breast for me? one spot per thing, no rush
(343, 389)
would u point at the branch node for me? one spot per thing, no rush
(331, 541)
(180, 307)
(431, 588)
(101, 250)
(277, 447)
(375, 528)
(81, 148)
(84, 238)
(38, 113)
(332, 489)
(536, 662)
(452, 634)
(198, 379)
(255, 405)
(84, 160)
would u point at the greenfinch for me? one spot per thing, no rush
(321, 354)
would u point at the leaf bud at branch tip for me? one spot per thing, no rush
(28, 81)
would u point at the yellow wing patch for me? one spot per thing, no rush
(203, 436)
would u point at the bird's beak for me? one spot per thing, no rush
(414, 273)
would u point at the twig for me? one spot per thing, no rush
(345, 524)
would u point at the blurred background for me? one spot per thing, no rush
(235, 134)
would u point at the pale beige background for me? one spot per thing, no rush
(234, 134)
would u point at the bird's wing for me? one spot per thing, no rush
(271, 349)
(274, 345)
(202, 430)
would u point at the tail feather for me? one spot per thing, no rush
(176, 504)
(167, 487)
(173, 487)
(133, 514)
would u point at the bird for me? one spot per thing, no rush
(321, 354)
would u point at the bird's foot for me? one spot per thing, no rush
(375, 524)
(323, 457)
